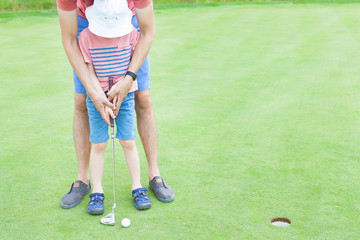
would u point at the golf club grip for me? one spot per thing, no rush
(111, 83)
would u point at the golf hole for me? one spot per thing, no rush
(280, 222)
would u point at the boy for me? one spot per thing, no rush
(107, 45)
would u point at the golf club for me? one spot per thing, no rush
(110, 218)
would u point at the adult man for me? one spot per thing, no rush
(72, 22)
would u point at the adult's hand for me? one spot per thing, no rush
(119, 91)
(102, 104)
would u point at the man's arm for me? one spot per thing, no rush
(146, 23)
(69, 30)
(93, 78)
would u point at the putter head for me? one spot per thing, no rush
(110, 218)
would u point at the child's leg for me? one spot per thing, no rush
(142, 200)
(125, 122)
(96, 204)
(133, 162)
(98, 137)
(126, 132)
(97, 165)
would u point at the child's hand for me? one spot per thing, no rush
(110, 112)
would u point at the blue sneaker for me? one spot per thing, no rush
(142, 200)
(96, 204)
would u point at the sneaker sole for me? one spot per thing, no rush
(143, 206)
(166, 200)
(96, 211)
(70, 206)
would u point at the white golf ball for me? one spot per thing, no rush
(125, 222)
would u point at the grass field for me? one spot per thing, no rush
(258, 117)
(23, 5)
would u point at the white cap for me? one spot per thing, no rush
(109, 18)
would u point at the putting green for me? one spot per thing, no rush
(258, 117)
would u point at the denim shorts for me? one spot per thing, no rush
(125, 121)
(143, 74)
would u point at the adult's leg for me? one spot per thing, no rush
(146, 124)
(81, 126)
(148, 132)
(81, 132)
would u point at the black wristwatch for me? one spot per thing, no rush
(131, 74)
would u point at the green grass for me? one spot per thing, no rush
(25, 5)
(258, 117)
(21, 5)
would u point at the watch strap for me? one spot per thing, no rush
(131, 74)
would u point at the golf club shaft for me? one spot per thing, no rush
(113, 158)
(112, 141)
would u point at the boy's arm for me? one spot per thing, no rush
(145, 19)
(69, 29)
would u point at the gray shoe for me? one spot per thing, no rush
(162, 191)
(77, 191)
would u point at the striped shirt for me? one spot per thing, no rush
(109, 56)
